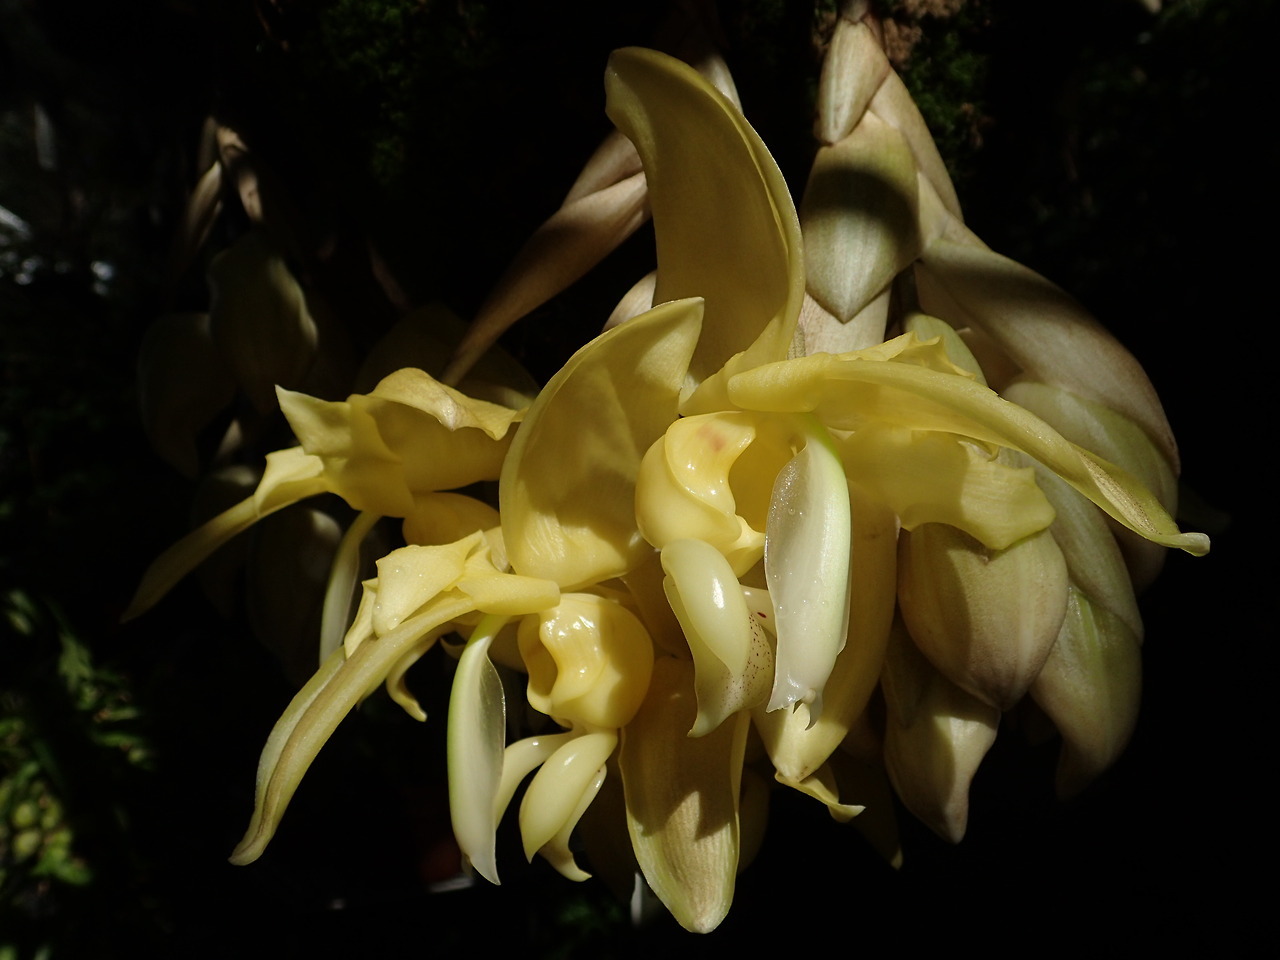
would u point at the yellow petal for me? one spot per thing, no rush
(821, 785)
(554, 798)
(682, 799)
(477, 731)
(567, 495)
(1103, 432)
(556, 850)
(315, 713)
(690, 481)
(413, 576)
(411, 435)
(290, 476)
(397, 689)
(930, 477)
(725, 225)
(926, 328)
(853, 389)
(358, 464)
(733, 662)
(1117, 439)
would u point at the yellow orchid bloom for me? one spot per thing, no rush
(793, 474)
(386, 453)
(567, 492)
(710, 526)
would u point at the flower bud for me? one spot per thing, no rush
(1090, 687)
(858, 217)
(986, 618)
(935, 736)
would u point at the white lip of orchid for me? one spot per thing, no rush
(476, 735)
(806, 563)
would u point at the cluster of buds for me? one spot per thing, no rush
(833, 492)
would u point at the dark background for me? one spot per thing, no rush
(1123, 154)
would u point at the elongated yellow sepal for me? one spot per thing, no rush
(725, 225)
(682, 799)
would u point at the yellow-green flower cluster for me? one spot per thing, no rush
(728, 521)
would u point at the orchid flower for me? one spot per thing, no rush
(706, 526)
(774, 497)
(386, 453)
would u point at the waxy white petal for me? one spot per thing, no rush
(477, 733)
(806, 561)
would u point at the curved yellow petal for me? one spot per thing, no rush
(732, 660)
(683, 491)
(554, 798)
(850, 390)
(726, 228)
(822, 786)
(411, 435)
(556, 850)
(567, 494)
(291, 475)
(930, 477)
(413, 576)
(315, 712)
(1100, 429)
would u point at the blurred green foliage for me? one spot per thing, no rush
(70, 739)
